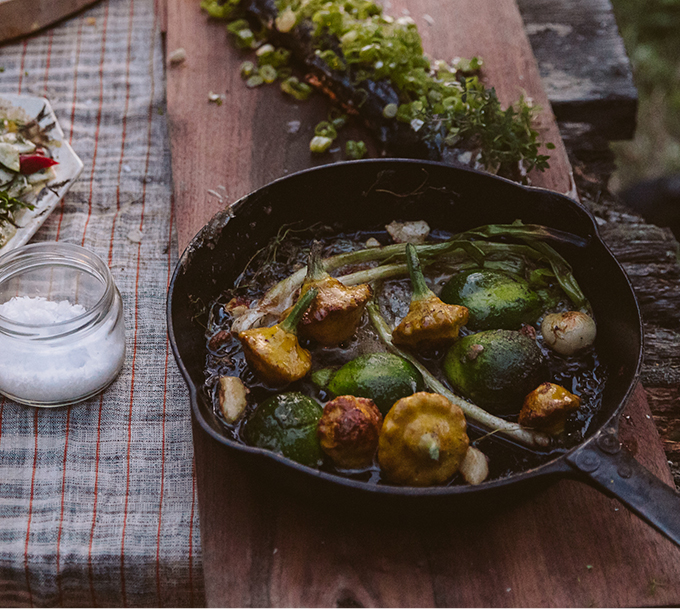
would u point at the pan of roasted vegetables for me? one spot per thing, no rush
(410, 332)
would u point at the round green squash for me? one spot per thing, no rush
(495, 369)
(286, 424)
(495, 299)
(382, 377)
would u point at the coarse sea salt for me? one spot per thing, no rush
(58, 367)
(39, 311)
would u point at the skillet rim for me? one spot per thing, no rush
(556, 466)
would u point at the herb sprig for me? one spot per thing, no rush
(9, 206)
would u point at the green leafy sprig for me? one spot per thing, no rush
(9, 206)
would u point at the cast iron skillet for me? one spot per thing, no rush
(369, 194)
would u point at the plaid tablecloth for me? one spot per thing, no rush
(97, 501)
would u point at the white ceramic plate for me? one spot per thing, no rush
(66, 173)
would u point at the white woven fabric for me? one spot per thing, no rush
(97, 501)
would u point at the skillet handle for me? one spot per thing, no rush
(613, 470)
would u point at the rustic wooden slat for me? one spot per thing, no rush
(264, 549)
(162, 11)
(22, 17)
(583, 64)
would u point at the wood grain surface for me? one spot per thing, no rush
(566, 546)
(21, 17)
(583, 64)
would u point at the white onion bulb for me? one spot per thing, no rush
(568, 332)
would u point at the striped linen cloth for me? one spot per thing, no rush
(97, 501)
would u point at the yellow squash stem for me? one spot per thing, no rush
(334, 315)
(274, 353)
(429, 321)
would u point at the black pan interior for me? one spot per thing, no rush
(369, 194)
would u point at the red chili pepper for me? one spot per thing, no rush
(34, 163)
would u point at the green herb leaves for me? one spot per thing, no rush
(9, 206)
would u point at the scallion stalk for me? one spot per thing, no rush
(278, 298)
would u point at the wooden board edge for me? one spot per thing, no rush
(24, 17)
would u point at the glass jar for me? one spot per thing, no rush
(62, 333)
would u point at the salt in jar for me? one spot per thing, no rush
(62, 333)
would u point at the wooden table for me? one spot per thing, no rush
(567, 546)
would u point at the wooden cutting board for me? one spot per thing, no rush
(22, 17)
(567, 546)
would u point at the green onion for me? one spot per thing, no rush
(325, 129)
(284, 73)
(247, 69)
(355, 149)
(243, 35)
(293, 87)
(390, 111)
(263, 52)
(456, 252)
(337, 119)
(320, 144)
(268, 73)
(354, 36)
(217, 10)
(281, 57)
(285, 21)
(255, 81)
(331, 59)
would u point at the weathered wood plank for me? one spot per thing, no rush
(264, 549)
(22, 17)
(666, 401)
(649, 255)
(583, 63)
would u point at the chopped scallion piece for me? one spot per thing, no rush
(390, 111)
(217, 10)
(320, 144)
(268, 73)
(355, 149)
(293, 87)
(247, 69)
(285, 21)
(255, 81)
(326, 129)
